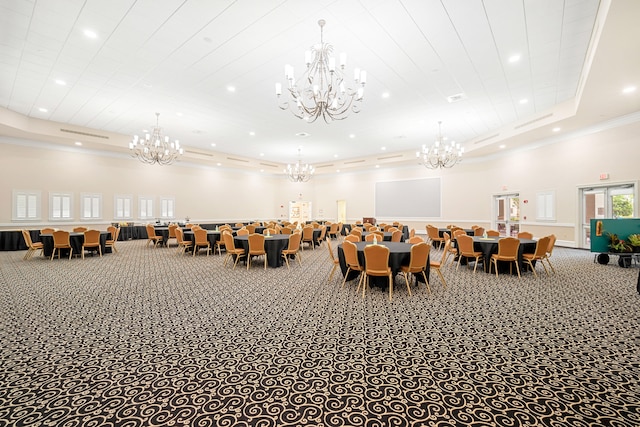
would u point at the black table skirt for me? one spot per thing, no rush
(489, 247)
(12, 240)
(272, 245)
(399, 255)
(76, 240)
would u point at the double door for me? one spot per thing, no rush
(616, 201)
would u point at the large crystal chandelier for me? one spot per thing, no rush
(155, 148)
(322, 90)
(440, 154)
(299, 172)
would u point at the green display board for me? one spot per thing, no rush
(601, 228)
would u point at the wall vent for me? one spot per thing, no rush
(390, 157)
(237, 160)
(354, 162)
(269, 165)
(75, 132)
(324, 166)
(199, 153)
(533, 121)
(495, 135)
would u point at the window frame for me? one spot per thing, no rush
(36, 199)
(144, 201)
(64, 197)
(167, 207)
(124, 198)
(94, 197)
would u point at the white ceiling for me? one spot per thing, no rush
(179, 57)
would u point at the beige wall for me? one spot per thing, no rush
(215, 194)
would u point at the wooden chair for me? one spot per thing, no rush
(270, 231)
(183, 244)
(61, 240)
(540, 253)
(417, 264)
(172, 233)
(353, 238)
(334, 260)
(231, 249)
(525, 235)
(242, 232)
(412, 232)
(47, 230)
(396, 236)
(307, 236)
(507, 251)
(415, 239)
(114, 232)
(91, 240)
(79, 229)
(292, 249)
(201, 241)
(437, 265)
(350, 251)
(493, 233)
(256, 248)
(152, 237)
(376, 261)
(323, 235)
(552, 244)
(220, 241)
(286, 230)
(458, 232)
(369, 237)
(478, 231)
(434, 236)
(31, 246)
(251, 228)
(449, 251)
(465, 250)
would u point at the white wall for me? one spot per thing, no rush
(215, 194)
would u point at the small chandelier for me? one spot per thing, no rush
(322, 90)
(440, 154)
(299, 172)
(155, 148)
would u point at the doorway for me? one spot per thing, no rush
(342, 211)
(507, 214)
(614, 201)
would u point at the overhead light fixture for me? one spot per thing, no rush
(155, 148)
(299, 172)
(322, 90)
(440, 154)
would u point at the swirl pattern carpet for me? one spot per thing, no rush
(145, 337)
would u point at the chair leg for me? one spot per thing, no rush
(517, 268)
(285, 256)
(391, 288)
(426, 281)
(444, 283)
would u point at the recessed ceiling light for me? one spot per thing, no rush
(78, 143)
(213, 144)
(179, 114)
(90, 34)
(261, 154)
(524, 101)
(42, 110)
(352, 135)
(261, 170)
(231, 88)
(629, 89)
(60, 82)
(556, 129)
(218, 164)
(252, 133)
(383, 148)
(377, 166)
(338, 170)
(385, 95)
(514, 58)
(335, 155)
(502, 146)
(145, 131)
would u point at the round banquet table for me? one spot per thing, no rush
(76, 240)
(399, 254)
(273, 245)
(489, 246)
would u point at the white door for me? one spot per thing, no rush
(507, 214)
(342, 211)
(617, 201)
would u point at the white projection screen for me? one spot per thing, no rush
(417, 198)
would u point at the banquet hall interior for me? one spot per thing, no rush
(542, 97)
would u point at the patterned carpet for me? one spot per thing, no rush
(145, 337)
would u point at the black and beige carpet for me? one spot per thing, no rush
(148, 338)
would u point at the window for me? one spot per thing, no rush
(546, 206)
(91, 206)
(167, 207)
(146, 207)
(123, 205)
(26, 205)
(60, 206)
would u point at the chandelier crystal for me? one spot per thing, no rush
(155, 148)
(322, 90)
(440, 154)
(299, 172)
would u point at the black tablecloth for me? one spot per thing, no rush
(441, 232)
(399, 254)
(132, 232)
(272, 245)
(212, 235)
(489, 246)
(76, 240)
(386, 236)
(12, 240)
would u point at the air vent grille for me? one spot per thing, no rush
(533, 121)
(237, 160)
(75, 132)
